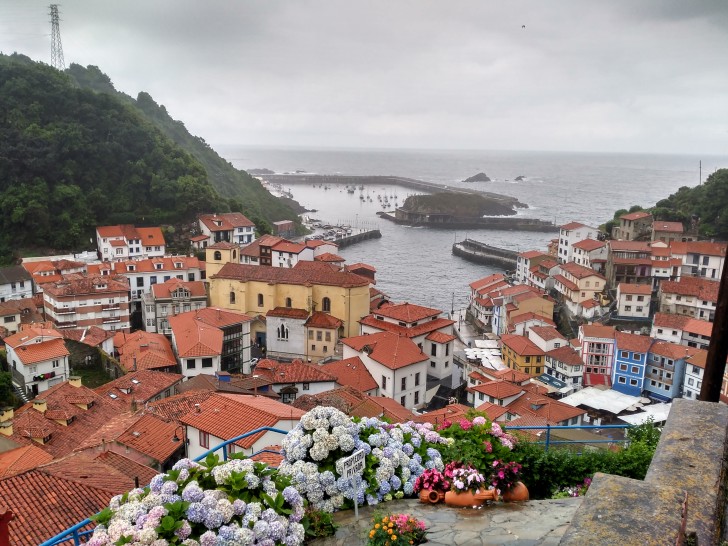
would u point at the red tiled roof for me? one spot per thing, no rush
(493, 411)
(319, 319)
(288, 246)
(21, 459)
(596, 379)
(547, 333)
(165, 289)
(670, 320)
(148, 265)
(672, 350)
(126, 466)
(703, 289)
(153, 437)
(498, 389)
(295, 372)
(588, 244)
(81, 284)
(699, 358)
(412, 331)
(579, 271)
(33, 353)
(31, 333)
(521, 345)
(699, 327)
(143, 385)
(507, 374)
(598, 331)
(629, 246)
(228, 221)
(195, 338)
(288, 312)
(532, 254)
(174, 407)
(351, 372)
(525, 317)
(228, 415)
(360, 265)
(407, 312)
(93, 336)
(543, 406)
(639, 289)
(633, 342)
(487, 281)
(391, 409)
(302, 273)
(388, 349)
(272, 456)
(573, 225)
(449, 413)
(567, 355)
(440, 337)
(672, 227)
(635, 215)
(329, 257)
(144, 351)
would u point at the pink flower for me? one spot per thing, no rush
(488, 446)
(465, 424)
(479, 420)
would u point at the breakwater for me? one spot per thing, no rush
(357, 180)
(448, 221)
(358, 237)
(478, 252)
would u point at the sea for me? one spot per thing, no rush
(416, 264)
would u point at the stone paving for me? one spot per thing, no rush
(533, 523)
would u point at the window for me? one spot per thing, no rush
(622, 380)
(404, 383)
(403, 400)
(691, 381)
(326, 348)
(232, 297)
(635, 369)
(640, 298)
(638, 309)
(313, 347)
(289, 302)
(56, 364)
(447, 363)
(204, 439)
(629, 297)
(326, 305)
(622, 367)
(282, 331)
(432, 364)
(319, 335)
(260, 300)
(625, 354)
(218, 255)
(633, 382)
(191, 363)
(140, 282)
(447, 349)
(306, 386)
(417, 397)
(153, 279)
(433, 349)
(417, 379)
(327, 336)
(310, 334)
(384, 382)
(627, 307)
(207, 363)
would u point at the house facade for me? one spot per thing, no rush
(691, 296)
(633, 300)
(571, 233)
(80, 300)
(171, 298)
(631, 358)
(665, 371)
(633, 226)
(127, 242)
(597, 353)
(231, 227)
(15, 283)
(285, 332)
(38, 359)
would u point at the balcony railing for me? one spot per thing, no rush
(65, 311)
(81, 531)
(109, 320)
(110, 307)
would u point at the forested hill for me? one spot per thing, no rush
(231, 183)
(75, 154)
(708, 203)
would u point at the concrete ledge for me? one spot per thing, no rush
(620, 510)
(692, 455)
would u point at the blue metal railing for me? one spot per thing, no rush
(77, 532)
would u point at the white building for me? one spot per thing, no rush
(127, 242)
(633, 300)
(396, 363)
(691, 296)
(38, 359)
(571, 233)
(285, 332)
(287, 254)
(694, 369)
(232, 227)
(171, 298)
(291, 380)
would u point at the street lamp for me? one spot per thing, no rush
(177, 439)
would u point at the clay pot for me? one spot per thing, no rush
(517, 493)
(431, 496)
(464, 499)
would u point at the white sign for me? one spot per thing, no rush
(354, 464)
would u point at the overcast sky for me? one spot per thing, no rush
(582, 75)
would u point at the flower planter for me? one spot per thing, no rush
(517, 493)
(462, 499)
(431, 496)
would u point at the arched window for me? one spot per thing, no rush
(260, 300)
(232, 296)
(282, 332)
(289, 303)
(235, 255)
(218, 255)
(326, 305)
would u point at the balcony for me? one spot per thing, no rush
(66, 324)
(65, 311)
(110, 307)
(111, 320)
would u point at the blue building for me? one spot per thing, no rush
(630, 363)
(666, 370)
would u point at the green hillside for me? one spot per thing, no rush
(74, 154)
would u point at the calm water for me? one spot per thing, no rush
(416, 264)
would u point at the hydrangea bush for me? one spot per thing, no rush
(238, 502)
(395, 456)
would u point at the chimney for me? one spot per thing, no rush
(197, 408)
(223, 377)
(144, 347)
(75, 380)
(6, 428)
(6, 516)
(6, 414)
(40, 405)
(134, 368)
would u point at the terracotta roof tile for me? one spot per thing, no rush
(547, 333)
(525, 317)
(165, 289)
(521, 345)
(498, 389)
(126, 466)
(153, 437)
(140, 386)
(440, 337)
(41, 352)
(635, 215)
(703, 289)
(567, 355)
(302, 273)
(329, 257)
(295, 372)
(351, 372)
(672, 227)
(288, 312)
(579, 271)
(228, 415)
(573, 225)
(390, 350)
(597, 331)
(639, 289)
(21, 459)
(589, 244)
(542, 406)
(174, 407)
(392, 409)
(492, 411)
(633, 342)
(436, 417)
(487, 281)
(271, 456)
(194, 338)
(411, 331)
(319, 319)
(227, 220)
(93, 336)
(407, 312)
(144, 351)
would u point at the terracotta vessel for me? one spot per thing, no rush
(468, 498)
(517, 493)
(431, 496)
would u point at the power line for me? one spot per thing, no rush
(56, 46)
